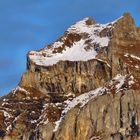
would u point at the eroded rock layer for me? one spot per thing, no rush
(84, 86)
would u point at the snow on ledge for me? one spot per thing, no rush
(132, 56)
(81, 100)
(77, 51)
(118, 81)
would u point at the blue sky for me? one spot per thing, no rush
(31, 24)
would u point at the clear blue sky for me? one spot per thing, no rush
(30, 24)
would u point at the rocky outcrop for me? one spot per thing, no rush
(66, 76)
(125, 40)
(85, 86)
(106, 117)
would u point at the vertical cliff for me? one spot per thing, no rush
(84, 86)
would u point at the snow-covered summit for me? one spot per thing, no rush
(81, 42)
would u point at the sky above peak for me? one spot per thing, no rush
(31, 24)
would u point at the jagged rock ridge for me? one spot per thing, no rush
(84, 86)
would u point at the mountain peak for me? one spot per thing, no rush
(81, 42)
(127, 14)
(84, 86)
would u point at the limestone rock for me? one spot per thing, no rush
(84, 86)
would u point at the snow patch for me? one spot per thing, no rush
(120, 79)
(77, 51)
(81, 100)
(132, 56)
(104, 62)
(6, 114)
(131, 80)
(18, 88)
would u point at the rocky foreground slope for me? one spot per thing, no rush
(84, 86)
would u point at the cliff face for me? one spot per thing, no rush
(85, 86)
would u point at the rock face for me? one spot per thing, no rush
(84, 86)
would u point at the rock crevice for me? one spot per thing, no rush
(84, 86)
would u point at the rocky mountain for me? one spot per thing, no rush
(84, 86)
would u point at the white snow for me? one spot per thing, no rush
(77, 51)
(58, 104)
(4, 100)
(116, 20)
(33, 121)
(131, 80)
(132, 56)
(18, 88)
(4, 103)
(81, 100)
(92, 30)
(9, 128)
(104, 62)
(6, 114)
(120, 79)
(135, 57)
